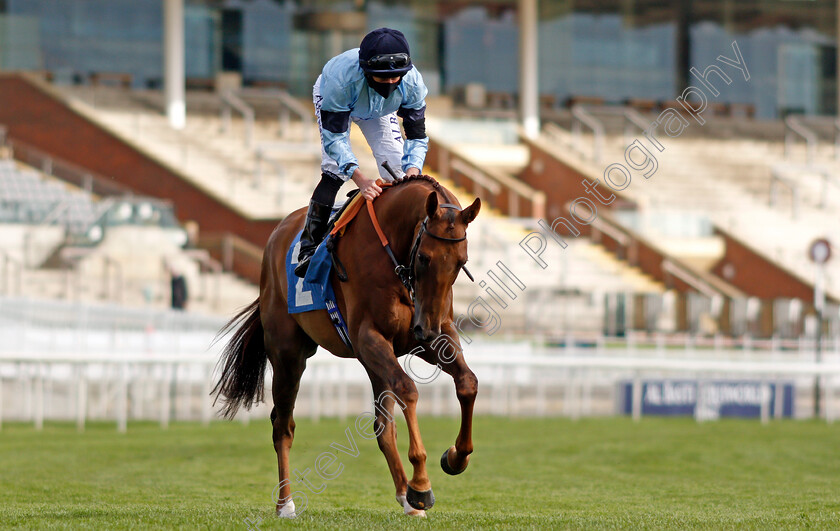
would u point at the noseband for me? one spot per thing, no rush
(406, 273)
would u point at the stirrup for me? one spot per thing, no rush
(303, 265)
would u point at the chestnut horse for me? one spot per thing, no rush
(386, 315)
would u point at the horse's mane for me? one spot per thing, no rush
(427, 178)
(409, 178)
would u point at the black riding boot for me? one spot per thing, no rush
(314, 231)
(317, 217)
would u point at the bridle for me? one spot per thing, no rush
(407, 274)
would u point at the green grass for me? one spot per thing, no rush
(530, 473)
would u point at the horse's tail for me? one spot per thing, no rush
(244, 358)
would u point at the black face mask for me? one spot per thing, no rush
(383, 89)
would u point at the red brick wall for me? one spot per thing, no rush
(757, 275)
(438, 158)
(561, 184)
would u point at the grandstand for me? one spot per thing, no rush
(260, 162)
(254, 151)
(214, 153)
(730, 185)
(704, 261)
(62, 242)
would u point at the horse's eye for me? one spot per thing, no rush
(424, 259)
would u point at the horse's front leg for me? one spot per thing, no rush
(446, 352)
(377, 356)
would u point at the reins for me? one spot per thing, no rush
(405, 273)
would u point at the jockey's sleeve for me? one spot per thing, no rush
(413, 112)
(335, 122)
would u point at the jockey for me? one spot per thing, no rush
(371, 85)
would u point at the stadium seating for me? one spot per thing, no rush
(727, 183)
(25, 197)
(264, 172)
(61, 242)
(568, 295)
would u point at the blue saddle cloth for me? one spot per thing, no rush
(315, 291)
(310, 293)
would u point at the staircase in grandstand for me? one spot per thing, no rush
(270, 167)
(258, 151)
(776, 198)
(570, 292)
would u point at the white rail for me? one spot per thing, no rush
(581, 117)
(232, 101)
(124, 380)
(288, 105)
(795, 127)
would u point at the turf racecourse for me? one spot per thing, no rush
(529, 473)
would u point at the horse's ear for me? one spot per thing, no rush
(469, 213)
(431, 204)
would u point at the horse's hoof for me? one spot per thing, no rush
(287, 511)
(420, 500)
(444, 463)
(408, 509)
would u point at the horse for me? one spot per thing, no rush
(388, 311)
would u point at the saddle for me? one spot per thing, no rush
(338, 223)
(338, 213)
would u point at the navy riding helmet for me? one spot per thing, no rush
(384, 52)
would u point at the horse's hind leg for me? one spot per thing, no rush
(288, 348)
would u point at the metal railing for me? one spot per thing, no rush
(777, 178)
(823, 123)
(562, 381)
(235, 254)
(794, 126)
(581, 117)
(650, 258)
(288, 106)
(586, 115)
(631, 117)
(49, 164)
(689, 277)
(482, 179)
(230, 101)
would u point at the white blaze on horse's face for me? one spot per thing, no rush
(440, 257)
